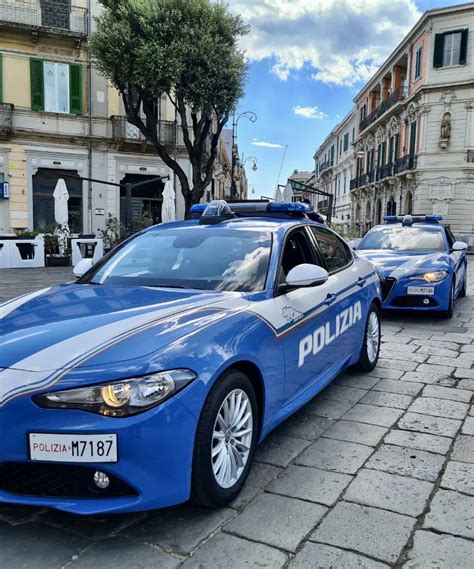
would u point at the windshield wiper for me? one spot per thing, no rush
(171, 286)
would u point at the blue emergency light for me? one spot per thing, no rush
(408, 220)
(214, 208)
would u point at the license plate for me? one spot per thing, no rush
(420, 290)
(73, 448)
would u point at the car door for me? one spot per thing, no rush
(309, 313)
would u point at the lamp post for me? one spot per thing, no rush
(252, 118)
(254, 162)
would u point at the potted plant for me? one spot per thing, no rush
(112, 233)
(57, 253)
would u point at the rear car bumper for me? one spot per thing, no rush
(155, 452)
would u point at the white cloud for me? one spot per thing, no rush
(341, 41)
(309, 112)
(265, 144)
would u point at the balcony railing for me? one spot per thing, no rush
(325, 165)
(6, 112)
(123, 131)
(60, 16)
(407, 162)
(397, 95)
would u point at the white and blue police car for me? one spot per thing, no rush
(423, 267)
(152, 378)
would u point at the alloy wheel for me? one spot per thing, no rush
(373, 336)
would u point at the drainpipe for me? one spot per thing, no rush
(89, 116)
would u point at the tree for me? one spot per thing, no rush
(185, 50)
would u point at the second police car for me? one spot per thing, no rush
(422, 265)
(152, 378)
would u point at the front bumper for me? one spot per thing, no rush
(155, 452)
(395, 297)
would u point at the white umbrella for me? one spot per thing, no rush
(168, 209)
(61, 197)
(288, 193)
(61, 214)
(278, 195)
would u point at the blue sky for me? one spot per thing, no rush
(308, 59)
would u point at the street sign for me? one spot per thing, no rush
(4, 190)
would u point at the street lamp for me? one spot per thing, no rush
(252, 118)
(254, 162)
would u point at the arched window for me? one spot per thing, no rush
(378, 212)
(391, 206)
(408, 209)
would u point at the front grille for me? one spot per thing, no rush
(411, 301)
(386, 285)
(58, 481)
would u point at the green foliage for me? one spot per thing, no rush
(186, 50)
(112, 233)
(27, 234)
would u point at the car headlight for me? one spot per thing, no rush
(120, 398)
(431, 277)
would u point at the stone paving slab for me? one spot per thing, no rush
(396, 386)
(338, 456)
(440, 392)
(407, 462)
(321, 555)
(225, 551)
(439, 408)
(395, 400)
(468, 427)
(373, 415)
(429, 424)
(420, 441)
(451, 512)
(463, 449)
(354, 432)
(277, 520)
(306, 483)
(280, 450)
(442, 551)
(370, 531)
(390, 492)
(459, 476)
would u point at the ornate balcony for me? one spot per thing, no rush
(407, 162)
(6, 113)
(397, 95)
(124, 132)
(54, 16)
(325, 165)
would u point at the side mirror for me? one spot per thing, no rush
(305, 275)
(459, 246)
(353, 244)
(82, 267)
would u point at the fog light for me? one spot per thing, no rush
(101, 480)
(426, 301)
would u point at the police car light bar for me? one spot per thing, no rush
(410, 219)
(252, 207)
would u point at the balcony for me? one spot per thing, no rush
(54, 16)
(407, 162)
(325, 165)
(359, 182)
(398, 95)
(6, 112)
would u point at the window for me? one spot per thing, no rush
(353, 133)
(297, 251)
(418, 62)
(335, 253)
(450, 48)
(363, 112)
(56, 87)
(331, 155)
(346, 142)
(404, 239)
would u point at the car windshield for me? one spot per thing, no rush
(404, 239)
(206, 258)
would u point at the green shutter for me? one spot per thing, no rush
(75, 89)
(438, 50)
(1, 79)
(37, 84)
(463, 52)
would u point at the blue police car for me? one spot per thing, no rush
(423, 266)
(152, 378)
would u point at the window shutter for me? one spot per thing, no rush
(438, 50)
(463, 52)
(37, 84)
(1, 79)
(397, 144)
(75, 89)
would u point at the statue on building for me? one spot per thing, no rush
(445, 133)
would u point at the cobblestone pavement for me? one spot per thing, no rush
(376, 471)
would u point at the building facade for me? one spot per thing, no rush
(333, 171)
(59, 118)
(414, 144)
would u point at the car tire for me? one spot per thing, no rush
(463, 291)
(450, 311)
(211, 486)
(369, 354)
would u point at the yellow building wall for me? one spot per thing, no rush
(114, 101)
(17, 170)
(16, 81)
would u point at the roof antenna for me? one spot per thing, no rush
(281, 166)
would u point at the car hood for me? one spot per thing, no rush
(399, 264)
(85, 324)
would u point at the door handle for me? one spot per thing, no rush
(361, 281)
(330, 298)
